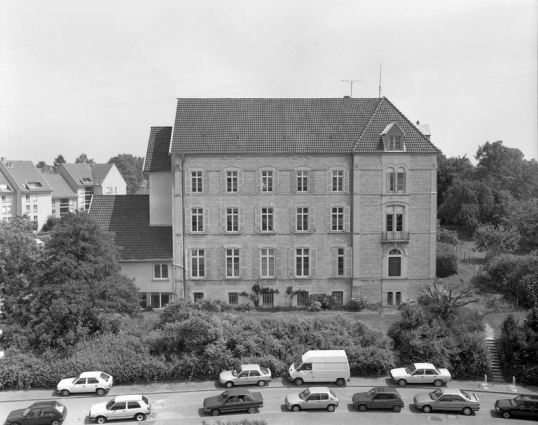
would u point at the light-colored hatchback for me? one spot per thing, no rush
(247, 374)
(312, 398)
(87, 382)
(135, 407)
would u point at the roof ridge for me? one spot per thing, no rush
(367, 125)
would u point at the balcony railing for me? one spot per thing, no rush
(395, 236)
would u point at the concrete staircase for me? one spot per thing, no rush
(496, 373)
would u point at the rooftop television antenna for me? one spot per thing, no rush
(351, 82)
(380, 79)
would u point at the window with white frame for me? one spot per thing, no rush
(340, 262)
(197, 219)
(198, 296)
(302, 219)
(338, 181)
(337, 219)
(302, 298)
(396, 180)
(35, 208)
(160, 271)
(267, 262)
(28, 209)
(302, 181)
(233, 298)
(302, 262)
(158, 299)
(395, 262)
(394, 222)
(391, 300)
(231, 181)
(267, 220)
(267, 181)
(232, 219)
(196, 182)
(232, 262)
(395, 143)
(198, 263)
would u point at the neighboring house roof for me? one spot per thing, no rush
(60, 188)
(5, 184)
(26, 176)
(88, 174)
(158, 153)
(289, 126)
(127, 218)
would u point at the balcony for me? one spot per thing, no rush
(395, 237)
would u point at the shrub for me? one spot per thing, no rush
(321, 301)
(446, 261)
(357, 304)
(447, 236)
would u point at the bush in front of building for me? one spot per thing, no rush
(446, 261)
(357, 304)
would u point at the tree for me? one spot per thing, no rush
(59, 160)
(450, 169)
(130, 168)
(496, 239)
(83, 159)
(448, 300)
(42, 165)
(446, 260)
(523, 215)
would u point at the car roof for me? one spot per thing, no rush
(386, 390)
(52, 403)
(237, 391)
(424, 366)
(453, 391)
(87, 374)
(127, 397)
(319, 389)
(250, 366)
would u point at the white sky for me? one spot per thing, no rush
(93, 76)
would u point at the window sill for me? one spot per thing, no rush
(196, 233)
(267, 232)
(160, 280)
(233, 233)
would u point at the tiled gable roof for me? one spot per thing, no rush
(60, 188)
(158, 153)
(385, 114)
(284, 126)
(95, 172)
(24, 174)
(127, 217)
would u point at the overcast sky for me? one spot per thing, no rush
(93, 76)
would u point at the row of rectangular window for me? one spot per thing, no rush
(268, 299)
(233, 220)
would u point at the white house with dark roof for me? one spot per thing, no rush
(64, 199)
(307, 196)
(24, 191)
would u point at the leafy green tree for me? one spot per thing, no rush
(59, 160)
(523, 215)
(83, 159)
(496, 239)
(130, 168)
(449, 170)
(446, 260)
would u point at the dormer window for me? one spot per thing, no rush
(395, 143)
(393, 138)
(33, 185)
(86, 180)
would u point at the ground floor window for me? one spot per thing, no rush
(153, 299)
(198, 296)
(268, 300)
(233, 298)
(393, 298)
(339, 297)
(302, 297)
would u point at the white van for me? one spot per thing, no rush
(320, 366)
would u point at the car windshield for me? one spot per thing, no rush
(237, 371)
(304, 394)
(370, 393)
(410, 369)
(109, 404)
(105, 377)
(434, 395)
(224, 395)
(145, 400)
(466, 395)
(25, 412)
(264, 370)
(297, 363)
(513, 402)
(333, 394)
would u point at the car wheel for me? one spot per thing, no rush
(251, 410)
(55, 422)
(100, 391)
(331, 407)
(340, 382)
(139, 417)
(229, 384)
(506, 415)
(438, 382)
(296, 408)
(215, 412)
(402, 382)
(427, 409)
(65, 393)
(15, 423)
(362, 407)
(397, 408)
(467, 411)
(100, 420)
(298, 381)
(261, 383)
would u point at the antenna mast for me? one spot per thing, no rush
(351, 82)
(380, 79)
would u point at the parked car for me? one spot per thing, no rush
(246, 374)
(233, 400)
(420, 373)
(40, 413)
(378, 398)
(312, 398)
(87, 382)
(523, 406)
(448, 399)
(135, 407)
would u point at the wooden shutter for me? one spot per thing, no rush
(274, 220)
(329, 219)
(293, 219)
(241, 213)
(188, 220)
(222, 263)
(329, 181)
(188, 182)
(205, 182)
(223, 181)
(257, 220)
(189, 264)
(313, 262)
(346, 181)
(258, 181)
(348, 262)
(256, 263)
(206, 220)
(278, 263)
(311, 219)
(243, 263)
(293, 181)
(207, 263)
(389, 176)
(275, 181)
(310, 181)
(240, 181)
(291, 264)
(347, 219)
(334, 262)
(223, 220)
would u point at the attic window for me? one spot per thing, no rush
(33, 185)
(85, 180)
(395, 143)
(5, 188)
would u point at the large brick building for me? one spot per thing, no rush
(330, 196)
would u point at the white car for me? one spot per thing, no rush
(87, 382)
(420, 373)
(312, 398)
(246, 374)
(135, 407)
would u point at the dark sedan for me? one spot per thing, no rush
(378, 398)
(233, 400)
(40, 413)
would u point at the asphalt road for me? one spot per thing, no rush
(182, 404)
